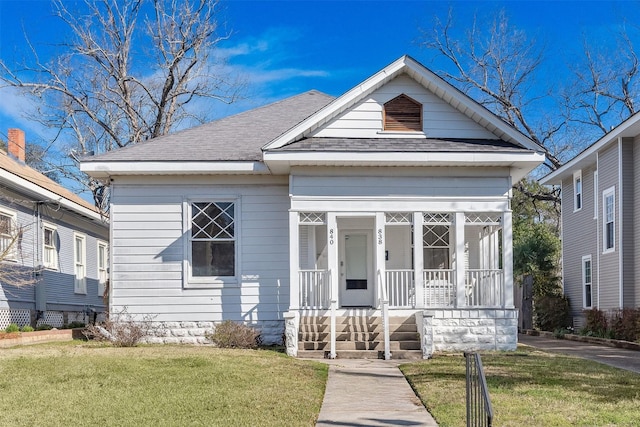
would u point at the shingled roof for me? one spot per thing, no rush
(31, 175)
(401, 145)
(235, 138)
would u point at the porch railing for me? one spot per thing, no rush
(400, 288)
(314, 289)
(439, 288)
(484, 288)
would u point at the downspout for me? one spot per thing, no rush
(620, 222)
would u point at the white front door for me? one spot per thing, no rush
(356, 269)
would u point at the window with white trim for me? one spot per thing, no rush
(436, 246)
(595, 195)
(8, 236)
(587, 275)
(102, 266)
(80, 262)
(577, 190)
(50, 246)
(609, 220)
(212, 239)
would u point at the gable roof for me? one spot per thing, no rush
(628, 128)
(425, 77)
(23, 178)
(235, 138)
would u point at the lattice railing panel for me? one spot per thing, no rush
(317, 218)
(399, 218)
(52, 318)
(19, 316)
(437, 218)
(483, 218)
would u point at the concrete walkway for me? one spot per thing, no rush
(370, 393)
(616, 357)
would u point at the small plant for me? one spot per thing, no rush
(27, 328)
(75, 324)
(13, 327)
(122, 329)
(559, 333)
(230, 334)
(44, 327)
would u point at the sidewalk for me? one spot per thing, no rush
(616, 357)
(370, 393)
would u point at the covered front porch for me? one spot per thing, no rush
(426, 265)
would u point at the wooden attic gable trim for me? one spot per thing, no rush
(402, 114)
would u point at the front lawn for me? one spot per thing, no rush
(531, 388)
(87, 384)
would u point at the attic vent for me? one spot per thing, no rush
(403, 114)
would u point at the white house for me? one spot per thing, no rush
(53, 242)
(376, 222)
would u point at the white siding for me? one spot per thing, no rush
(148, 251)
(440, 120)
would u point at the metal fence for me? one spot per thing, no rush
(479, 411)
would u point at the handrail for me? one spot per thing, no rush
(334, 303)
(479, 409)
(384, 306)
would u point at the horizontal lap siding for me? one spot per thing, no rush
(636, 219)
(148, 258)
(440, 120)
(580, 238)
(377, 186)
(609, 276)
(628, 215)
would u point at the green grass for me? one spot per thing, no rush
(86, 384)
(531, 388)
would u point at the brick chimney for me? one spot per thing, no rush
(15, 145)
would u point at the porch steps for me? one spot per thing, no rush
(358, 337)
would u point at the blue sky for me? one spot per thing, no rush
(287, 47)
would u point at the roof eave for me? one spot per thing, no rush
(101, 170)
(520, 163)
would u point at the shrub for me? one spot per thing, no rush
(122, 329)
(74, 324)
(44, 327)
(13, 327)
(27, 328)
(230, 334)
(552, 312)
(625, 324)
(597, 324)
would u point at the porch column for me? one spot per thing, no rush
(332, 254)
(418, 259)
(460, 273)
(507, 258)
(294, 261)
(380, 245)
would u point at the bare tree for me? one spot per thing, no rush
(497, 64)
(131, 72)
(12, 272)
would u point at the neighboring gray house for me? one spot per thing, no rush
(601, 222)
(378, 222)
(51, 238)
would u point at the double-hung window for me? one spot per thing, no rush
(102, 267)
(608, 220)
(80, 261)
(587, 274)
(50, 247)
(577, 190)
(8, 236)
(213, 241)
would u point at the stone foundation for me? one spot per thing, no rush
(195, 332)
(469, 330)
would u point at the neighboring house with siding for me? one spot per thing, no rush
(58, 243)
(600, 190)
(377, 222)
